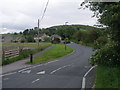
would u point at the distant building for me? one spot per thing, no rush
(56, 36)
(40, 37)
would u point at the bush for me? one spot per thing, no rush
(101, 41)
(22, 40)
(30, 39)
(66, 41)
(47, 39)
(56, 41)
(107, 55)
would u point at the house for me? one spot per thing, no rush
(40, 37)
(53, 37)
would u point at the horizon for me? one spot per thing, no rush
(44, 28)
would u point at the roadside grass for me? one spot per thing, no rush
(107, 77)
(55, 52)
(25, 53)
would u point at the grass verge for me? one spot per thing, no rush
(55, 52)
(107, 77)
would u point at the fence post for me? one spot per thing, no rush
(20, 50)
(31, 58)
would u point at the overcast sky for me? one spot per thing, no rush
(18, 15)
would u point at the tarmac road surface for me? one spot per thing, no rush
(66, 72)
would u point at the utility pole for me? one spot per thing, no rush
(65, 37)
(38, 33)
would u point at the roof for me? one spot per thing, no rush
(56, 36)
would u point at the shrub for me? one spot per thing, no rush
(101, 41)
(107, 55)
(47, 39)
(22, 40)
(55, 41)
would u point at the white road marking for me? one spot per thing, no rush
(30, 67)
(84, 77)
(42, 72)
(37, 66)
(35, 80)
(6, 79)
(83, 83)
(8, 74)
(50, 62)
(28, 71)
(59, 69)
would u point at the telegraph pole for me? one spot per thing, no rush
(65, 40)
(38, 33)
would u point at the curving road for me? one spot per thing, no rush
(66, 72)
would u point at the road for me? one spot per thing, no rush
(66, 72)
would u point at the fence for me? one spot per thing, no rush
(10, 51)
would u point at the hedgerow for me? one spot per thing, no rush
(108, 55)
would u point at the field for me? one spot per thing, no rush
(55, 52)
(26, 45)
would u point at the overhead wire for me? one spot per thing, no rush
(44, 11)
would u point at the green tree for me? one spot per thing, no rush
(109, 15)
(30, 38)
(47, 39)
(77, 36)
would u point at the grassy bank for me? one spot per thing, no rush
(55, 52)
(107, 77)
(24, 53)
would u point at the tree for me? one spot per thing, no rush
(30, 38)
(20, 33)
(22, 40)
(77, 36)
(26, 32)
(15, 33)
(47, 39)
(109, 15)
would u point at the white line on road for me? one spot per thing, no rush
(42, 72)
(59, 69)
(84, 77)
(37, 66)
(8, 74)
(30, 68)
(28, 71)
(50, 62)
(35, 80)
(6, 79)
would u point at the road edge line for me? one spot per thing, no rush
(84, 77)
